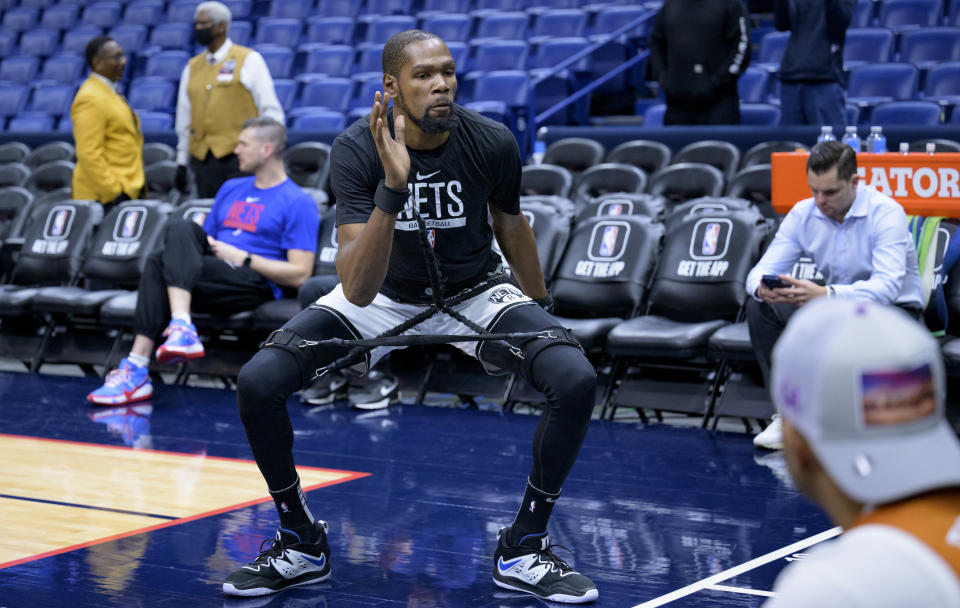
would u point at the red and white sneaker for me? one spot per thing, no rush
(182, 343)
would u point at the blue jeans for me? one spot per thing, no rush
(820, 103)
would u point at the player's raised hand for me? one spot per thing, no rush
(392, 150)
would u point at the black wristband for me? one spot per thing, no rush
(546, 303)
(389, 200)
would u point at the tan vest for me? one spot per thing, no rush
(933, 518)
(219, 103)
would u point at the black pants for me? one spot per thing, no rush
(211, 172)
(561, 372)
(724, 111)
(186, 261)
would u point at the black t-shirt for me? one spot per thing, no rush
(451, 185)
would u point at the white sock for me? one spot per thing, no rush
(183, 316)
(138, 360)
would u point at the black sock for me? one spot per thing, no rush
(533, 515)
(294, 513)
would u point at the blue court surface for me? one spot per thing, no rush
(656, 515)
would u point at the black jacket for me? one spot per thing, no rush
(699, 48)
(818, 29)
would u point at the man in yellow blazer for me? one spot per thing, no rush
(106, 131)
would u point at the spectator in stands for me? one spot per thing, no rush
(698, 50)
(106, 130)
(259, 237)
(858, 239)
(861, 387)
(423, 179)
(219, 89)
(811, 72)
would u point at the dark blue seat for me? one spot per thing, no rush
(338, 8)
(13, 98)
(31, 122)
(502, 92)
(279, 59)
(329, 59)
(388, 7)
(319, 120)
(167, 64)
(611, 18)
(240, 32)
(929, 47)
(144, 12)
(283, 32)
(752, 85)
(446, 6)
(943, 83)
(330, 30)
(653, 115)
(907, 113)
(8, 42)
(759, 114)
(19, 69)
(365, 91)
(500, 55)
(155, 122)
(65, 125)
(102, 14)
(330, 93)
(76, 39)
(559, 23)
(772, 47)
(900, 15)
(53, 99)
(504, 25)
(131, 37)
(60, 16)
(291, 9)
(241, 9)
(20, 19)
(152, 93)
(368, 61)
(172, 36)
(862, 14)
(286, 91)
(65, 69)
(880, 82)
(867, 45)
(450, 27)
(182, 11)
(499, 5)
(42, 42)
(381, 29)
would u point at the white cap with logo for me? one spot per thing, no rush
(864, 384)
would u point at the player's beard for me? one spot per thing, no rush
(426, 123)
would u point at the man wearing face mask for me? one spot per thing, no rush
(219, 89)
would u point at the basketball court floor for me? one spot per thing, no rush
(154, 504)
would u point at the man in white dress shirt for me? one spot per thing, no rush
(219, 89)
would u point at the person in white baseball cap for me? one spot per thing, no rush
(861, 390)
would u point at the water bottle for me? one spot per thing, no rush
(851, 138)
(931, 147)
(876, 141)
(539, 146)
(904, 147)
(826, 134)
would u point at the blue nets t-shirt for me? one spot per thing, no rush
(267, 222)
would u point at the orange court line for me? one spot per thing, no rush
(343, 476)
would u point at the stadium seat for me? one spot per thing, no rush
(499, 5)
(382, 28)
(369, 62)
(649, 156)
(365, 94)
(623, 203)
(152, 93)
(8, 42)
(63, 69)
(155, 122)
(943, 83)
(680, 182)
(611, 18)
(329, 93)
(101, 14)
(13, 174)
(544, 179)
(330, 59)
(862, 14)
(50, 176)
(876, 83)
(181, 11)
(13, 151)
(752, 85)
(452, 27)
(167, 64)
(511, 88)
(53, 99)
(241, 9)
(760, 153)
(172, 36)
(558, 23)
(503, 25)
(144, 12)
(867, 45)
(753, 184)
(653, 115)
(20, 19)
(31, 122)
(42, 42)
(13, 99)
(282, 32)
(907, 113)
(942, 145)
(492, 55)
(308, 163)
(75, 40)
(279, 59)
(338, 8)
(574, 153)
(161, 181)
(320, 120)
(446, 6)
(901, 15)
(772, 47)
(49, 152)
(555, 50)
(240, 32)
(607, 178)
(930, 47)
(15, 203)
(19, 69)
(291, 9)
(155, 151)
(60, 16)
(130, 37)
(388, 7)
(551, 232)
(720, 154)
(286, 90)
(759, 114)
(330, 30)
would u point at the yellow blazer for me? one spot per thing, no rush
(109, 144)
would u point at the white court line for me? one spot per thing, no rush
(737, 570)
(742, 590)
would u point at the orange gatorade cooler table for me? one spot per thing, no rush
(925, 184)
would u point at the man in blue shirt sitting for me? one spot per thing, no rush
(859, 241)
(259, 237)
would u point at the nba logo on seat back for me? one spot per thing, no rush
(710, 239)
(129, 224)
(608, 241)
(58, 223)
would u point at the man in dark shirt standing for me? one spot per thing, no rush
(423, 178)
(811, 72)
(698, 50)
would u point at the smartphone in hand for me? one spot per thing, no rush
(772, 281)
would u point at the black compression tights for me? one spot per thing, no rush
(561, 372)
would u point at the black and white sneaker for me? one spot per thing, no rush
(532, 567)
(325, 389)
(287, 562)
(377, 391)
